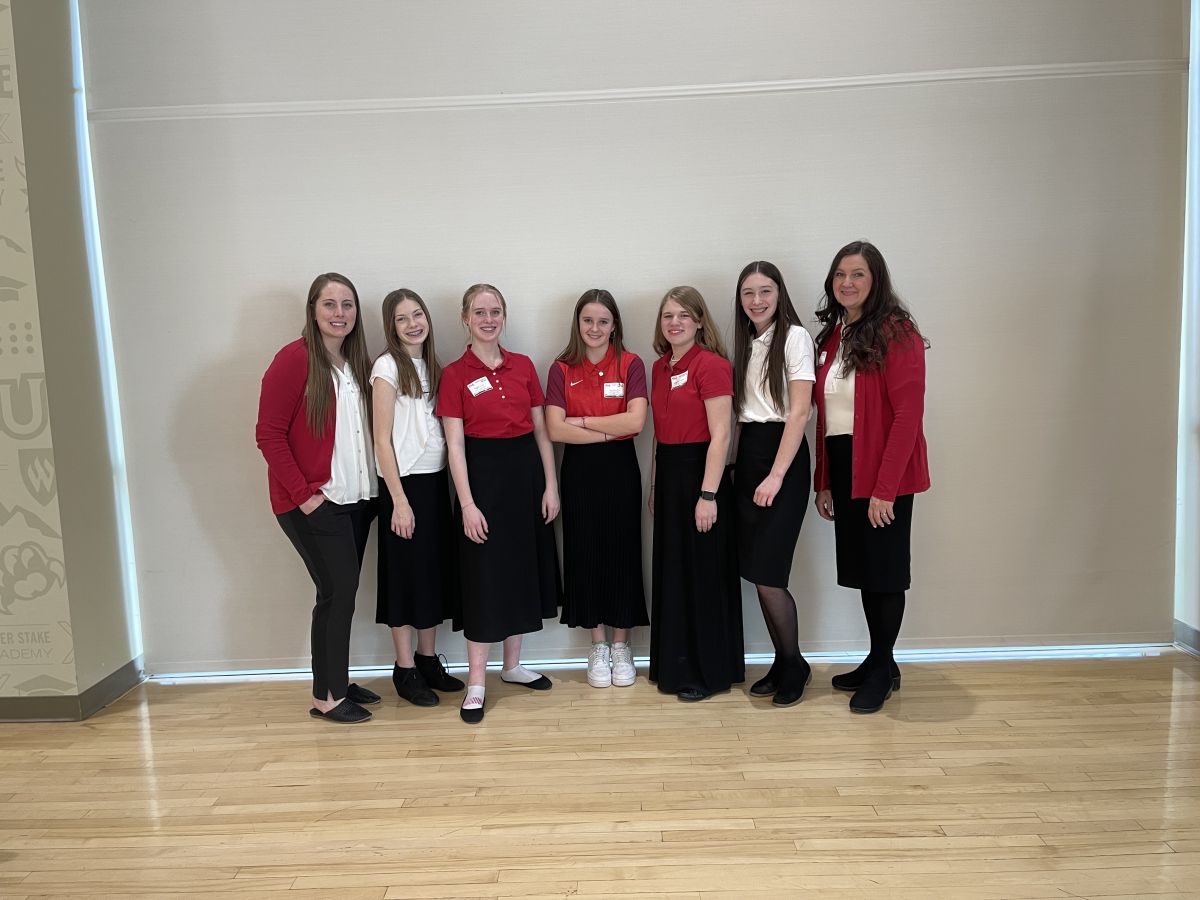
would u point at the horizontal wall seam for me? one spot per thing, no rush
(627, 95)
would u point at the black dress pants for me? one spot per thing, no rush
(331, 541)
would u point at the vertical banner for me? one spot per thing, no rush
(36, 648)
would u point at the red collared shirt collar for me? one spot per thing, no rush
(609, 360)
(684, 361)
(474, 362)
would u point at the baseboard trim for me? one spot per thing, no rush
(74, 707)
(1187, 638)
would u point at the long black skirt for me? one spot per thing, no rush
(416, 577)
(510, 582)
(696, 619)
(602, 536)
(869, 559)
(767, 535)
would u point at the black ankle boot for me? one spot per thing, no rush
(876, 688)
(852, 681)
(412, 687)
(792, 683)
(766, 685)
(435, 674)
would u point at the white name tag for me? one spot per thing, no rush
(479, 386)
(678, 380)
(614, 389)
(821, 361)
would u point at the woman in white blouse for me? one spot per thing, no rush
(773, 375)
(416, 531)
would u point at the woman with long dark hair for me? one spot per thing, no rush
(696, 619)
(773, 374)
(871, 452)
(416, 528)
(595, 405)
(502, 463)
(314, 432)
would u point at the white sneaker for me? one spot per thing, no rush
(623, 672)
(599, 666)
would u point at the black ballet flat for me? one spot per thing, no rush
(362, 696)
(472, 716)
(542, 683)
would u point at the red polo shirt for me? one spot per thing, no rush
(493, 403)
(678, 392)
(596, 389)
(890, 457)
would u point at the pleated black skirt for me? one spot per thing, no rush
(696, 617)
(767, 535)
(601, 488)
(868, 559)
(510, 582)
(416, 577)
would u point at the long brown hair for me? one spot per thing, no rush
(744, 333)
(576, 350)
(319, 388)
(408, 381)
(884, 315)
(692, 301)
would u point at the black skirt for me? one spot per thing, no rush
(767, 535)
(869, 559)
(696, 620)
(510, 582)
(602, 536)
(416, 577)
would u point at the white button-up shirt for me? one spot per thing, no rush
(352, 469)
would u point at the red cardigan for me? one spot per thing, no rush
(890, 456)
(298, 461)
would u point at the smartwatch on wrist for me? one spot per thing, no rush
(708, 495)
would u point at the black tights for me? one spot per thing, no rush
(884, 612)
(779, 611)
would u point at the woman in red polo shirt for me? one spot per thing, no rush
(314, 432)
(871, 453)
(596, 404)
(502, 464)
(696, 620)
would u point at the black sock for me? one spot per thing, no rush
(885, 613)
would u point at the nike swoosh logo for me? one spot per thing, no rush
(573, 383)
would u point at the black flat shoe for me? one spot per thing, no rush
(411, 686)
(473, 715)
(768, 684)
(791, 691)
(433, 670)
(542, 683)
(693, 694)
(361, 695)
(345, 713)
(852, 681)
(873, 694)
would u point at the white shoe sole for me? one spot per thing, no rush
(628, 683)
(599, 684)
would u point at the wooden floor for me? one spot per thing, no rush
(979, 780)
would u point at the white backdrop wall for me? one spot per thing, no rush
(1020, 164)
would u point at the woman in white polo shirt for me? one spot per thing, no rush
(416, 576)
(773, 375)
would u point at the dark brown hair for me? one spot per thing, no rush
(408, 382)
(744, 333)
(319, 389)
(576, 349)
(884, 315)
(692, 301)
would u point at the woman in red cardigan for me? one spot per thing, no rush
(871, 453)
(314, 432)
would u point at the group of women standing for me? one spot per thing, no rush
(490, 563)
